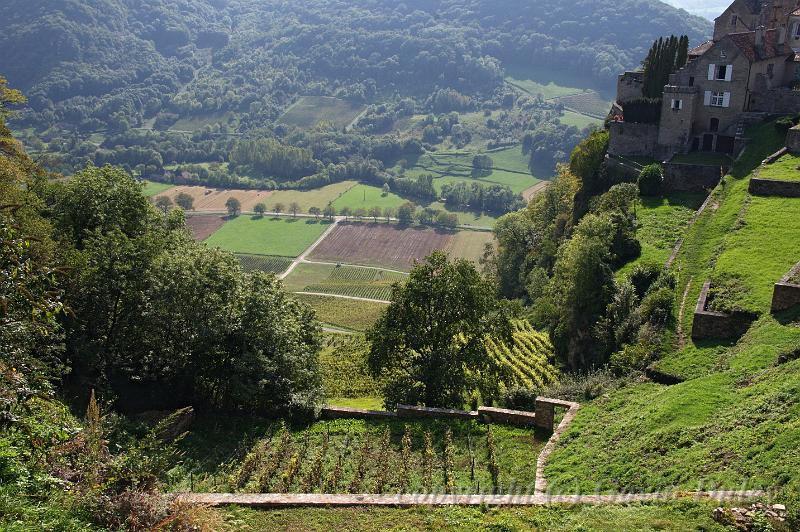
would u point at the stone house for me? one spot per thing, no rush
(749, 70)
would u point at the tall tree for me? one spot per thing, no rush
(429, 343)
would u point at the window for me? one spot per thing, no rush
(734, 20)
(714, 125)
(691, 81)
(796, 30)
(717, 99)
(722, 72)
(770, 70)
(677, 105)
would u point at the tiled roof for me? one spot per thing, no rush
(746, 42)
(700, 50)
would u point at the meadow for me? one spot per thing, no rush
(151, 188)
(347, 314)
(787, 168)
(198, 122)
(308, 111)
(367, 196)
(581, 121)
(306, 199)
(208, 199)
(253, 235)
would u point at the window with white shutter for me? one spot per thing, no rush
(726, 99)
(728, 72)
(712, 70)
(707, 99)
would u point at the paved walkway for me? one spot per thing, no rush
(283, 500)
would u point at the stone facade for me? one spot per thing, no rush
(793, 140)
(773, 187)
(679, 177)
(786, 294)
(748, 71)
(709, 324)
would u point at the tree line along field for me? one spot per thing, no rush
(358, 456)
(308, 111)
(394, 247)
(344, 280)
(254, 235)
(208, 199)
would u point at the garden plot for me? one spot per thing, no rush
(203, 226)
(311, 110)
(350, 314)
(350, 281)
(264, 263)
(255, 235)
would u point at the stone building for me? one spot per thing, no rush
(749, 70)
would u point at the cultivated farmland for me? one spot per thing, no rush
(528, 360)
(203, 226)
(357, 456)
(352, 281)
(344, 313)
(384, 245)
(589, 103)
(213, 199)
(264, 263)
(250, 235)
(469, 245)
(310, 198)
(311, 110)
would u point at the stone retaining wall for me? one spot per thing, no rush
(773, 187)
(793, 139)
(786, 295)
(542, 418)
(680, 177)
(710, 324)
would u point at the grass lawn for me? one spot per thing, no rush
(308, 111)
(662, 221)
(151, 188)
(571, 118)
(787, 168)
(367, 196)
(651, 517)
(284, 237)
(344, 313)
(319, 197)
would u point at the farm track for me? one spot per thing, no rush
(354, 298)
(310, 248)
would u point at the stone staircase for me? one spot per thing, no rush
(748, 119)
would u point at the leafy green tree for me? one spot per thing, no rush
(375, 213)
(360, 213)
(329, 212)
(405, 213)
(294, 208)
(346, 212)
(234, 206)
(429, 343)
(279, 207)
(314, 211)
(164, 203)
(650, 180)
(385, 190)
(260, 209)
(389, 213)
(184, 201)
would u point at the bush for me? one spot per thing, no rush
(784, 124)
(519, 399)
(643, 111)
(650, 180)
(656, 307)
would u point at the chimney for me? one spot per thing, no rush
(760, 36)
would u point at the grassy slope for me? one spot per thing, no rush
(310, 110)
(736, 420)
(366, 196)
(310, 198)
(344, 313)
(571, 118)
(787, 168)
(152, 188)
(286, 237)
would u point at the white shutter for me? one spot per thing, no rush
(707, 99)
(712, 70)
(673, 106)
(726, 99)
(729, 73)
(680, 104)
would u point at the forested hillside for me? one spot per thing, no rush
(152, 84)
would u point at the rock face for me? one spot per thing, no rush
(747, 519)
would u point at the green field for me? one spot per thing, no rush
(787, 168)
(510, 169)
(662, 221)
(347, 314)
(308, 111)
(353, 281)
(285, 237)
(571, 118)
(366, 196)
(469, 245)
(537, 81)
(196, 123)
(264, 263)
(310, 198)
(151, 188)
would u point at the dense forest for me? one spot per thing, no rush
(106, 79)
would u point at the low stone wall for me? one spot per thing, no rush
(628, 139)
(680, 177)
(793, 139)
(541, 418)
(411, 412)
(343, 412)
(709, 324)
(786, 295)
(508, 417)
(773, 187)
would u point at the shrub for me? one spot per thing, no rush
(519, 399)
(656, 307)
(650, 180)
(643, 111)
(784, 124)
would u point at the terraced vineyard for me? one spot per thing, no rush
(529, 359)
(352, 281)
(264, 263)
(589, 103)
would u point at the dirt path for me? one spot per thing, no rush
(310, 248)
(529, 193)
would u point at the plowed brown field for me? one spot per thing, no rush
(204, 226)
(386, 245)
(213, 199)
